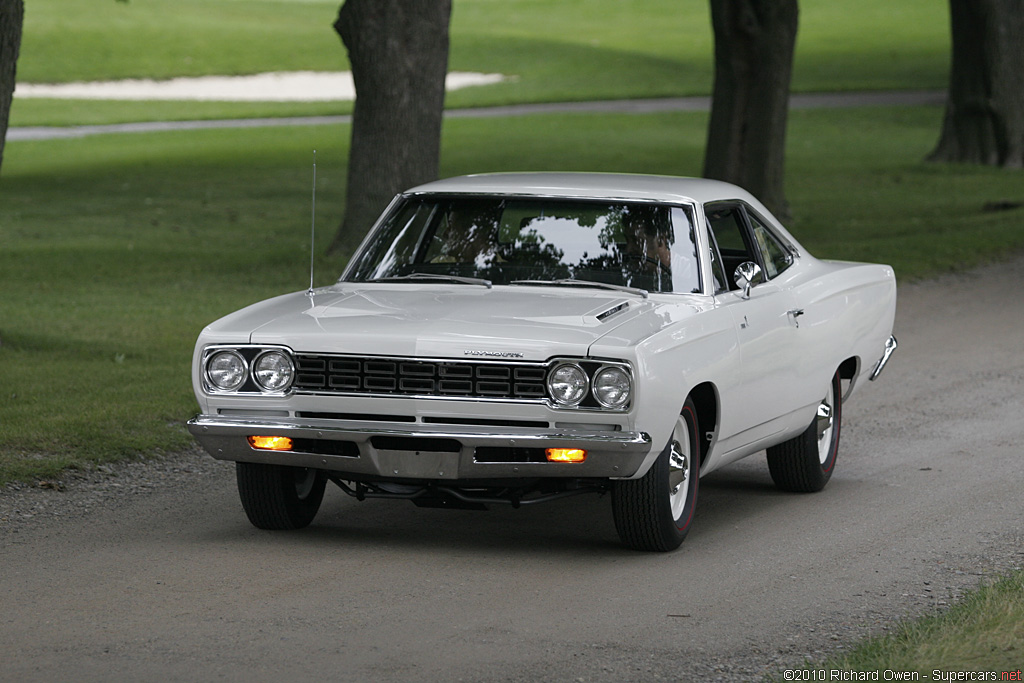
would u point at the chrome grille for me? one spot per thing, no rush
(413, 377)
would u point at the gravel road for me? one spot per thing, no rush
(146, 571)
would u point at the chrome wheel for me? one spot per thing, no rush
(679, 469)
(824, 423)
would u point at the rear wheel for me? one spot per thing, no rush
(805, 463)
(277, 497)
(654, 512)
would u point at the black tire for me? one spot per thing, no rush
(805, 463)
(277, 497)
(654, 513)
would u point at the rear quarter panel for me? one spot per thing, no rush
(849, 310)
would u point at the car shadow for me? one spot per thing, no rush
(581, 525)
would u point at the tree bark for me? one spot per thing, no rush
(399, 55)
(12, 13)
(754, 44)
(984, 122)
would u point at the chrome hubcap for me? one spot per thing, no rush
(825, 425)
(679, 470)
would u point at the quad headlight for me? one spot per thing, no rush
(568, 384)
(226, 370)
(274, 371)
(612, 387)
(247, 369)
(590, 384)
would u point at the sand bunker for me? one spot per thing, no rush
(293, 86)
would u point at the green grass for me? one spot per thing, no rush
(554, 51)
(983, 632)
(116, 250)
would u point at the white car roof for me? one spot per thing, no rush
(591, 186)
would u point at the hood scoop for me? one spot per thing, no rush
(613, 311)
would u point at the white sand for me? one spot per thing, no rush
(294, 86)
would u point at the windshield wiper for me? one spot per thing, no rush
(436, 276)
(583, 283)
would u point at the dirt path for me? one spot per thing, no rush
(162, 577)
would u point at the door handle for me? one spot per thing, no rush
(794, 314)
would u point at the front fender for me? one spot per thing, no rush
(668, 364)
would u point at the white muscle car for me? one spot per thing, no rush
(517, 338)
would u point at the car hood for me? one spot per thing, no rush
(442, 321)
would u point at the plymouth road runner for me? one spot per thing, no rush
(518, 338)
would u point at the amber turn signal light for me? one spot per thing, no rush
(566, 454)
(270, 443)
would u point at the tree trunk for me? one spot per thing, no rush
(754, 43)
(12, 12)
(984, 121)
(399, 55)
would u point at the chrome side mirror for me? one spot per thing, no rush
(746, 276)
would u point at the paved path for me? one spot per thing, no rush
(171, 583)
(808, 101)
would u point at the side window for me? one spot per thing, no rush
(776, 258)
(727, 224)
(727, 227)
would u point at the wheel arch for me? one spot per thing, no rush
(705, 400)
(849, 371)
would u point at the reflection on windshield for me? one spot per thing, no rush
(645, 246)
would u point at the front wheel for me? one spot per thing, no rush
(805, 463)
(654, 512)
(278, 497)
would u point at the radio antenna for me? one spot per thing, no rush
(312, 229)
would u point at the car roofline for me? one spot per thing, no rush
(608, 186)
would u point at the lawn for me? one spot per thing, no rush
(116, 250)
(552, 51)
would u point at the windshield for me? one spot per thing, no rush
(504, 240)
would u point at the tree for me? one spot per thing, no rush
(984, 122)
(12, 12)
(398, 50)
(754, 45)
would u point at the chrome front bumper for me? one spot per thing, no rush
(395, 452)
(890, 346)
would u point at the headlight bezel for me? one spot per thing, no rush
(592, 368)
(249, 354)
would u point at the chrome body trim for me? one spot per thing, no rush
(890, 346)
(609, 454)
